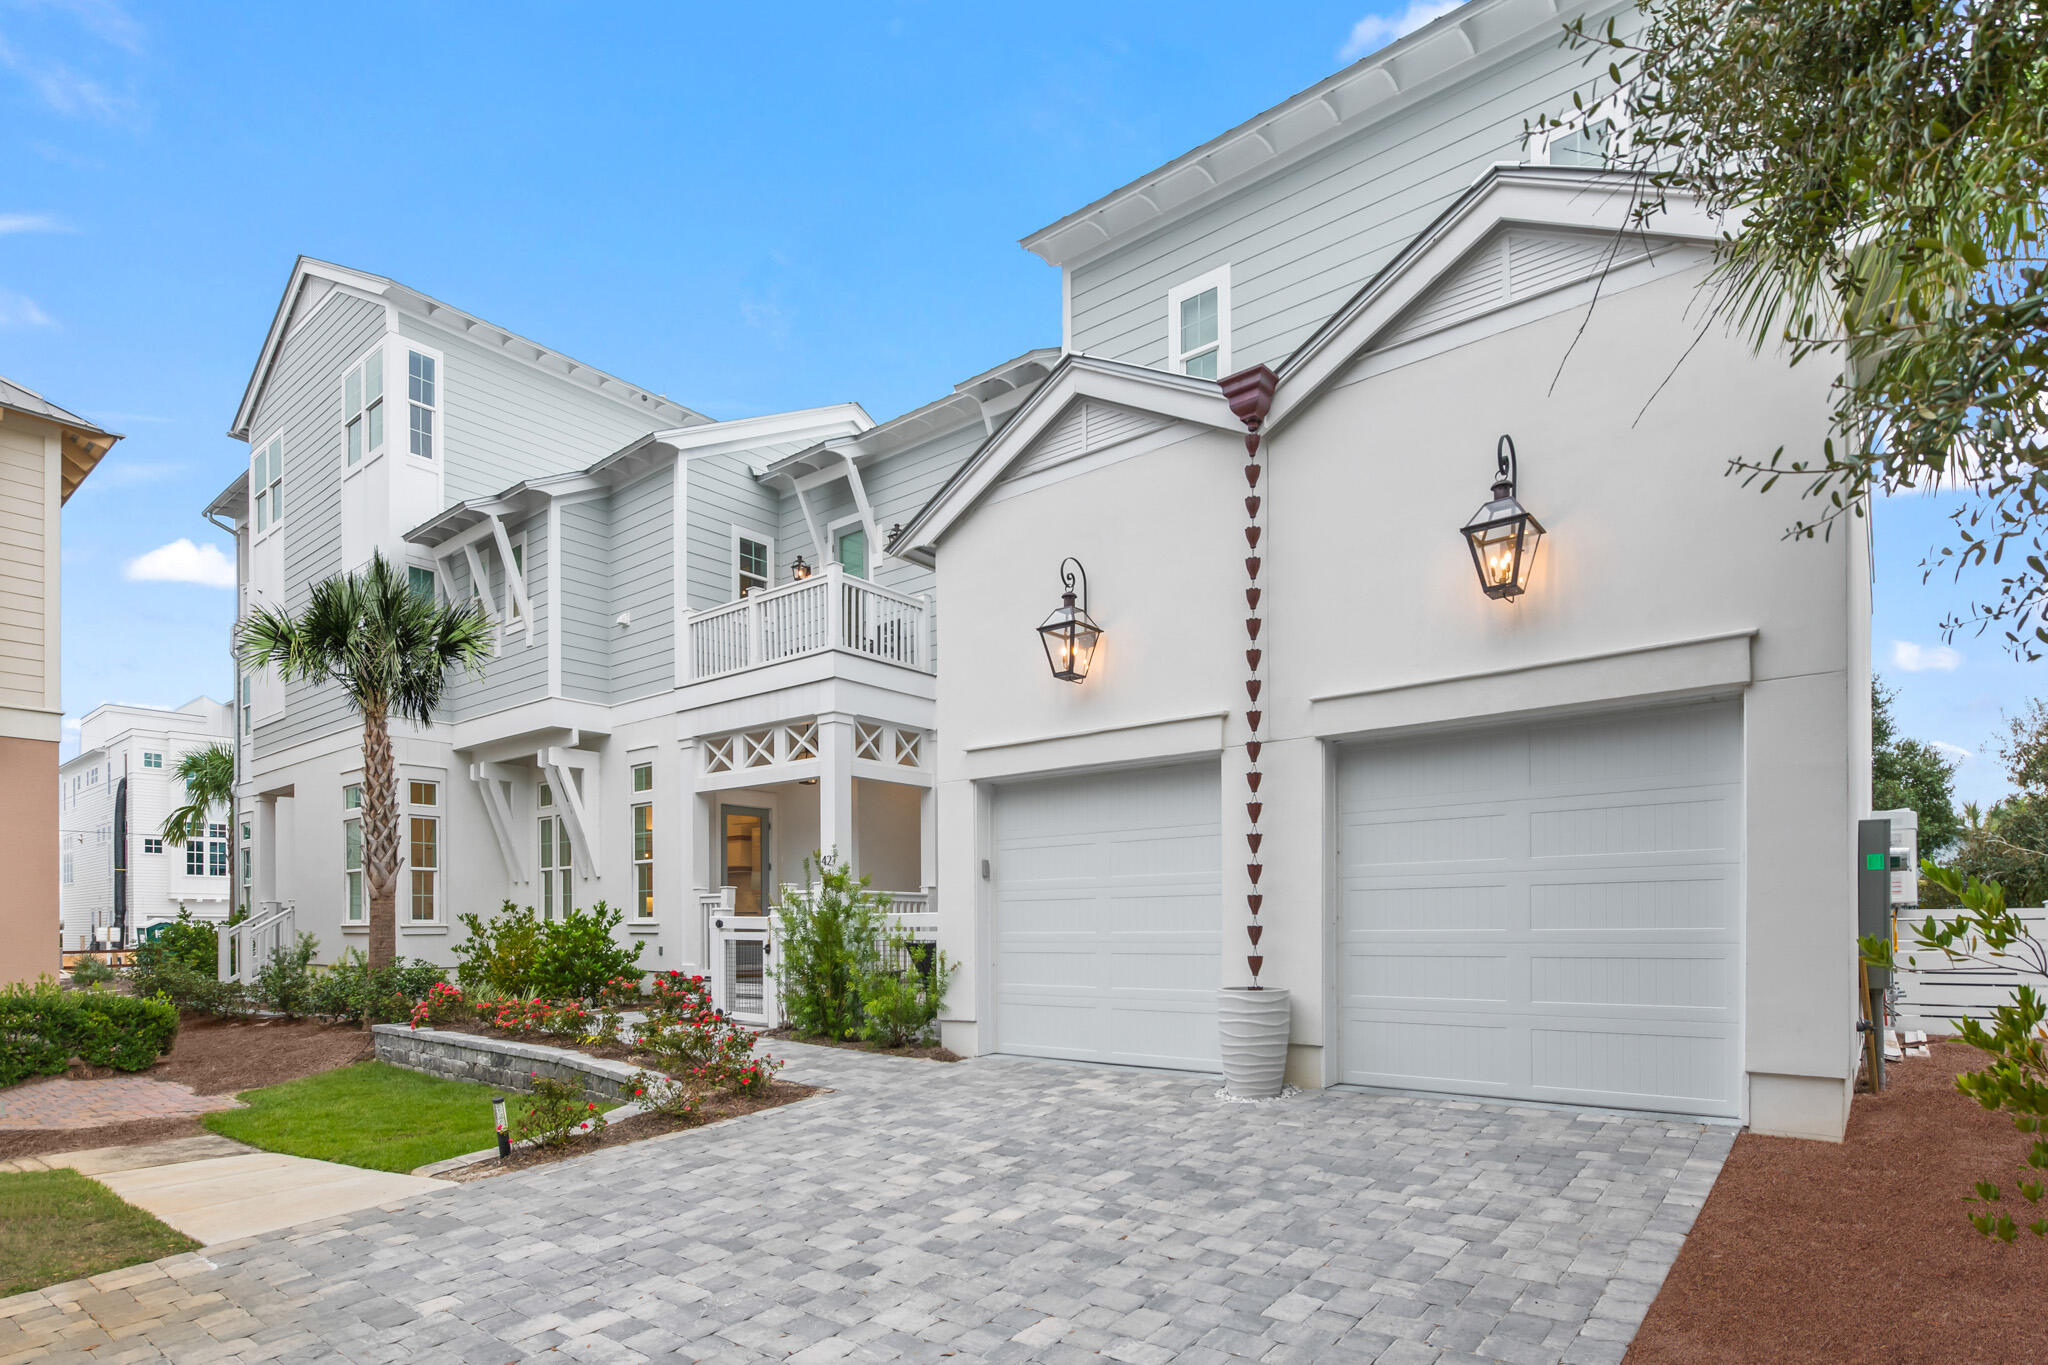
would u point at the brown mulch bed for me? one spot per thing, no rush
(933, 1053)
(215, 1057)
(1813, 1253)
(638, 1129)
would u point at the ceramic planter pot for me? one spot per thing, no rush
(1254, 1027)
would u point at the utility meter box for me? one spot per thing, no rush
(1903, 859)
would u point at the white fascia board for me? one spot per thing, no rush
(1452, 48)
(1539, 197)
(746, 433)
(1172, 396)
(374, 287)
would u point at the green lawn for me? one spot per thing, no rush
(371, 1114)
(58, 1225)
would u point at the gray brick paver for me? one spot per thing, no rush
(994, 1209)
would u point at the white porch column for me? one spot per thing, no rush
(263, 879)
(835, 786)
(676, 844)
(928, 842)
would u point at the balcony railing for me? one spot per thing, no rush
(829, 610)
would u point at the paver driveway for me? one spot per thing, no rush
(996, 1210)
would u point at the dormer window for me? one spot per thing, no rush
(1198, 326)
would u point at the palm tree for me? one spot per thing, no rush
(392, 650)
(209, 778)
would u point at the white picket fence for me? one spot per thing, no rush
(1934, 994)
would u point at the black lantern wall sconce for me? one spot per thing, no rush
(798, 570)
(1502, 535)
(1070, 634)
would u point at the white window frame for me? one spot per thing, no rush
(148, 754)
(643, 899)
(740, 533)
(352, 879)
(360, 366)
(1611, 111)
(557, 875)
(433, 578)
(217, 849)
(150, 845)
(436, 883)
(851, 522)
(437, 436)
(272, 489)
(1218, 280)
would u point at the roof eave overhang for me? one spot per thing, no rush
(1451, 48)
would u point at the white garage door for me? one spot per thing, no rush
(1106, 895)
(1547, 912)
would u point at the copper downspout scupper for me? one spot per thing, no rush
(1250, 393)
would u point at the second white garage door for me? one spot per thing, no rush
(1547, 912)
(1106, 910)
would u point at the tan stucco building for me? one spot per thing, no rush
(45, 453)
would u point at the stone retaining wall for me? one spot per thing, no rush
(500, 1061)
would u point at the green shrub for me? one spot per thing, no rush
(166, 961)
(827, 943)
(285, 982)
(350, 991)
(91, 971)
(517, 953)
(558, 1107)
(901, 991)
(42, 1027)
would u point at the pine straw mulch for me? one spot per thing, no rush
(1816, 1253)
(931, 1053)
(640, 1127)
(215, 1057)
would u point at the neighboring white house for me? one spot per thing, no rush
(1592, 844)
(116, 874)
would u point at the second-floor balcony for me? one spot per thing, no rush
(830, 610)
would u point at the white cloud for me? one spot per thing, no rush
(1908, 657)
(19, 310)
(103, 19)
(1375, 31)
(183, 562)
(69, 92)
(1955, 751)
(31, 222)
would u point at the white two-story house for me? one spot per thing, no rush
(707, 667)
(117, 874)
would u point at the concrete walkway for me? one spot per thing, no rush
(214, 1189)
(993, 1210)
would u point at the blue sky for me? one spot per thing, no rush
(748, 208)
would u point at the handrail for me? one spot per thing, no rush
(271, 927)
(827, 611)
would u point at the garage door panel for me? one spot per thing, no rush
(1107, 901)
(1635, 901)
(1594, 958)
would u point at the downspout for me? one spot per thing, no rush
(1250, 393)
(121, 860)
(235, 883)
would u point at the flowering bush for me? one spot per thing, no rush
(557, 1110)
(710, 1050)
(673, 993)
(665, 1095)
(443, 1004)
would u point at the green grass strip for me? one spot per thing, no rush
(58, 1225)
(371, 1114)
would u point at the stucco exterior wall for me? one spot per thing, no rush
(1661, 577)
(28, 812)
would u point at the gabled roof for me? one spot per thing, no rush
(1177, 397)
(85, 444)
(1450, 48)
(1568, 199)
(308, 273)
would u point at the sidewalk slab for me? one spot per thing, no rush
(226, 1198)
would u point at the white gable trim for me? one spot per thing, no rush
(1535, 197)
(1170, 397)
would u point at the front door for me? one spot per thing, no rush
(744, 835)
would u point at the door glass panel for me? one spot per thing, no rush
(746, 859)
(853, 553)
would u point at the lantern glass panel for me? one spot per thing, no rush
(1070, 639)
(1503, 538)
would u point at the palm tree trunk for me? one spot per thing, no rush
(380, 837)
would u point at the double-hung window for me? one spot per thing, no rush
(266, 481)
(1198, 326)
(753, 561)
(643, 843)
(362, 408)
(354, 909)
(152, 845)
(424, 801)
(557, 859)
(421, 389)
(216, 850)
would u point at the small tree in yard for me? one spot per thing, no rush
(1985, 931)
(392, 650)
(827, 944)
